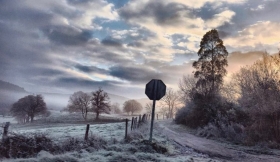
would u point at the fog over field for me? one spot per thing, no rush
(139, 80)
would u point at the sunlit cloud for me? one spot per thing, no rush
(63, 46)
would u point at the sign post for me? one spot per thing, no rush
(155, 90)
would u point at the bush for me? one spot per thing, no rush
(182, 114)
(214, 109)
(20, 146)
(233, 132)
(25, 146)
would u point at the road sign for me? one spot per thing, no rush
(155, 89)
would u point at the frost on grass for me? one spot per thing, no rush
(106, 143)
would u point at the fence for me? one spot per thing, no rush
(136, 122)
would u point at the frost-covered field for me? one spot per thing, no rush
(7, 119)
(115, 148)
(62, 131)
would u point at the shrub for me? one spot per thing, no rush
(25, 146)
(20, 146)
(232, 132)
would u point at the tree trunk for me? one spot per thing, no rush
(85, 116)
(32, 118)
(97, 116)
(5, 131)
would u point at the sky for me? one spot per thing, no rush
(120, 45)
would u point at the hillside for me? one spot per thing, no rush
(9, 93)
(6, 86)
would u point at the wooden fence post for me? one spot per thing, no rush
(135, 123)
(86, 135)
(126, 124)
(132, 120)
(5, 131)
(139, 121)
(142, 118)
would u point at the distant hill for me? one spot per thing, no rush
(6, 86)
(9, 94)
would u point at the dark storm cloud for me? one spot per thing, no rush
(134, 73)
(67, 35)
(84, 84)
(19, 51)
(111, 42)
(12, 10)
(90, 69)
(135, 44)
(78, 1)
(113, 58)
(163, 14)
(48, 72)
(143, 73)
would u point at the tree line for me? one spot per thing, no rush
(247, 106)
(99, 102)
(28, 107)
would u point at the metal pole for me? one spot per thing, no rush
(153, 111)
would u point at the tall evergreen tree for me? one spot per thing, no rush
(210, 67)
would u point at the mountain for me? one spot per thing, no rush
(9, 94)
(6, 86)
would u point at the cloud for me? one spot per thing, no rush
(259, 36)
(134, 73)
(67, 45)
(90, 69)
(67, 35)
(167, 18)
(200, 3)
(220, 19)
(236, 60)
(111, 42)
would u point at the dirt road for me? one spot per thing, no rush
(223, 151)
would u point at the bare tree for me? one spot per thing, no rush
(259, 91)
(100, 102)
(230, 91)
(115, 108)
(163, 111)
(132, 106)
(28, 107)
(80, 102)
(171, 101)
(187, 85)
(149, 107)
